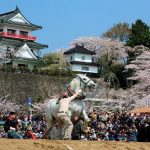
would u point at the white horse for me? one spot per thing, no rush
(76, 107)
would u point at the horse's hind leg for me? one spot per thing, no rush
(47, 132)
(50, 123)
(59, 133)
(53, 132)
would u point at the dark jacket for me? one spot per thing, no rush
(77, 130)
(10, 123)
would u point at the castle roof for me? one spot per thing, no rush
(16, 42)
(80, 49)
(16, 18)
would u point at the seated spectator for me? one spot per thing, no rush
(29, 133)
(83, 137)
(132, 135)
(11, 126)
(77, 128)
(93, 135)
(122, 136)
(94, 115)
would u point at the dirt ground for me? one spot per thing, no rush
(6, 144)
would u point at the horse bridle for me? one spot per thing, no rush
(71, 91)
(81, 80)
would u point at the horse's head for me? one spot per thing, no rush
(87, 82)
(81, 82)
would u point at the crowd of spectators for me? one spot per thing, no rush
(115, 126)
(27, 126)
(103, 126)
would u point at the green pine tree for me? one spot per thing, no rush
(139, 34)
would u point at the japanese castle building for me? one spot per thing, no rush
(17, 44)
(81, 60)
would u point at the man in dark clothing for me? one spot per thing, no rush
(148, 133)
(141, 136)
(11, 126)
(77, 128)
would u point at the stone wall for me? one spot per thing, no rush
(20, 86)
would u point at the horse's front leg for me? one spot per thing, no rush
(85, 117)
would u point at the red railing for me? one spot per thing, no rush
(18, 36)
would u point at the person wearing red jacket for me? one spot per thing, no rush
(29, 133)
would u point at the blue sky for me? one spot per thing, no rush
(65, 20)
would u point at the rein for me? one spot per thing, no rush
(86, 83)
(71, 92)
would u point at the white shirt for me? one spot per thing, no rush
(64, 103)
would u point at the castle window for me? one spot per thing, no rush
(24, 33)
(11, 31)
(1, 30)
(22, 66)
(70, 58)
(85, 68)
(82, 57)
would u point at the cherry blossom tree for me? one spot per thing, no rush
(138, 94)
(110, 54)
(141, 68)
(40, 106)
(103, 46)
(8, 105)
